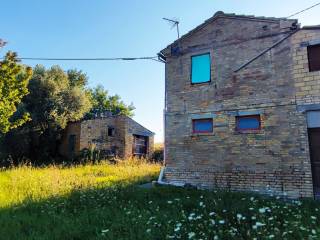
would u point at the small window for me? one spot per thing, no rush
(245, 123)
(111, 131)
(200, 68)
(202, 125)
(314, 57)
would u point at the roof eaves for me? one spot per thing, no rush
(152, 133)
(221, 14)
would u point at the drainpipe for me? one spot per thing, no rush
(160, 178)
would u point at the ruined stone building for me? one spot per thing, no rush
(117, 135)
(242, 106)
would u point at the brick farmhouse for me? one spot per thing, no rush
(242, 106)
(111, 135)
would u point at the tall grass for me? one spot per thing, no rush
(103, 201)
(26, 183)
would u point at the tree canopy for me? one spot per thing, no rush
(57, 97)
(14, 80)
(102, 102)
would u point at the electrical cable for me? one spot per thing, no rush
(304, 10)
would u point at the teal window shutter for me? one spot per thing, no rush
(200, 68)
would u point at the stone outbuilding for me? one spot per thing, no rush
(242, 106)
(112, 135)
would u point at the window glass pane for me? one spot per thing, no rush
(202, 125)
(200, 68)
(111, 131)
(248, 122)
(314, 58)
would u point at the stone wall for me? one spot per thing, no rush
(71, 129)
(274, 160)
(94, 132)
(133, 128)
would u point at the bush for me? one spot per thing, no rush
(158, 155)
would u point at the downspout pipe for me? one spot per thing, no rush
(160, 181)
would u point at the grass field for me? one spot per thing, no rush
(103, 202)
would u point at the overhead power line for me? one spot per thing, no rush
(155, 58)
(304, 10)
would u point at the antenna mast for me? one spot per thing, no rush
(174, 23)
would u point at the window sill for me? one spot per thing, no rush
(201, 83)
(202, 134)
(248, 131)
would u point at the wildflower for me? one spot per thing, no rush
(148, 230)
(201, 204)
(213, 222)
(105, 230)
(313, 231)
(262, 210)
(177, 228)
(239, 216)
(191, 216)
(221, 221)
(313, 217)
(258, 224)
(191, 235)
(169, 202)
(212, 213)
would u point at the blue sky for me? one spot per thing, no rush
(119, 28)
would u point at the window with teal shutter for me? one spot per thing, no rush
(200, 68)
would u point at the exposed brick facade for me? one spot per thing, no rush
(95, 131)
(277, 85)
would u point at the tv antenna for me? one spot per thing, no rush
(173, 23)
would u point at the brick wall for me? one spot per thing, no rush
(307, 83)
(274, 160)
